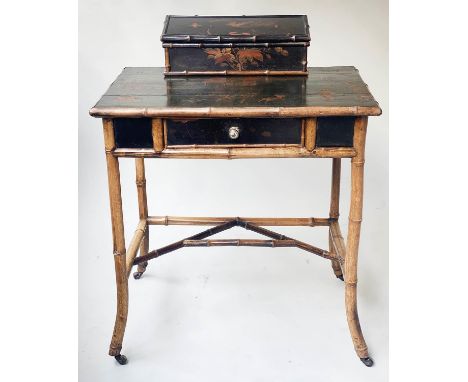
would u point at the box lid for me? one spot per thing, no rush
(236, 29)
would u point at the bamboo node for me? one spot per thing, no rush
(355, 220)
(114, 349)
(358, 164)
(361, 350)
(351, 283)
(166, 220)
(141, 183)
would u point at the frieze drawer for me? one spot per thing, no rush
(234, 132)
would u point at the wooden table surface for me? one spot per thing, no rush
(145, 92)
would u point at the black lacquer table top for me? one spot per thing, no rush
(145, 92)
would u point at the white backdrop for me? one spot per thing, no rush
(229, 314)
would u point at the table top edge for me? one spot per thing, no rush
(246, 112)
(141, 111)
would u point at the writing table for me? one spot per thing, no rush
(323, 115)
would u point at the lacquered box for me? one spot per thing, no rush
(236, 45)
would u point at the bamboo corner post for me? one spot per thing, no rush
(157, 128)
(352, 244)
(118, 237)
(310, 133)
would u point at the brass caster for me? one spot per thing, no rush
(367, 361)
(137, 275)
(121, 359)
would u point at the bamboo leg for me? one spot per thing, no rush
(335, 263)
(352, 245)
(335, 209)
(143, 211)
(119, 244)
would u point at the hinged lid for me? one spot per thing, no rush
(236, 29)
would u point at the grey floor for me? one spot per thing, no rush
(230, 314)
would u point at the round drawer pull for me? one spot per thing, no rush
(233, 132)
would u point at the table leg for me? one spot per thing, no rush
(118, 236)
(352, 245)
(335, 209)
(143, 211)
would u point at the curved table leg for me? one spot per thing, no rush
(335, 209)
(352, 245)
(143, 211)
(118, 236)
(122, 309)
(337, 270)
(144, 249)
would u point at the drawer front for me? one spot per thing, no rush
(234, 132)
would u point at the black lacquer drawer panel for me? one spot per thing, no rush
(133, 133)
(335, 132)
(138, 133)
(236, 131)
(205, 60)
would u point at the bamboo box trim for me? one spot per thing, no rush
(268, 72)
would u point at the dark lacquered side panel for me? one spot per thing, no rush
(251, 131)
(335, 131)
(133, 133)
(238, 59)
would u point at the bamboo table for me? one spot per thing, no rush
(323, 115)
